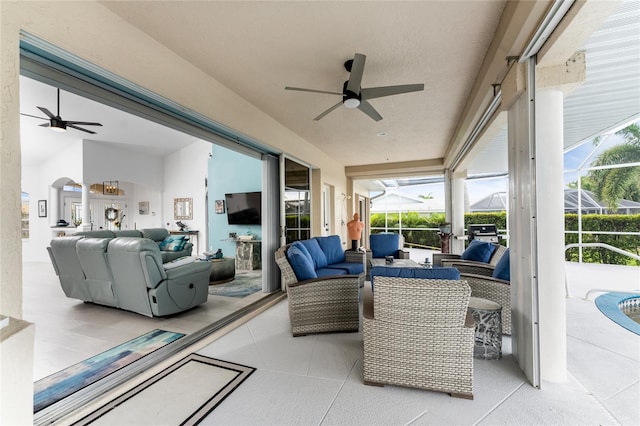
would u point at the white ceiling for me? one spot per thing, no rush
(258, 48)
(134, 133)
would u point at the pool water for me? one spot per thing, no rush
(621, 308)
(631, 308)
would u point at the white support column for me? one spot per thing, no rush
(550, 234)
(54, 205)
(536, 221)
(86, 207)
(457, 217)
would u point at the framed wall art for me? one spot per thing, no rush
(143, 207)
(219, 206)
(42, 208)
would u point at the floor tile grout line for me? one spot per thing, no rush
(499, 403)
(415, 419)
(603, 348)
(344, 382)
(313, 350)
(622, 390)
(596, 401)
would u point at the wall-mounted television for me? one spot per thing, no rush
(244, 208)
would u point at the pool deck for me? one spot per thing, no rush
(602, 357)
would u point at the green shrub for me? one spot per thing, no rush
(592, 222)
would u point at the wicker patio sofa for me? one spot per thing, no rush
(323, 304)
(417, 334)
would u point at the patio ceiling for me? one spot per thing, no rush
(608, 100)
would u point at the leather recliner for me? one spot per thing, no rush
(163, 292)
(127, 273)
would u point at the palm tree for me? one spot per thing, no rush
(612, 185)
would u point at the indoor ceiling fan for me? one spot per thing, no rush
(353, 96)
(58, 124)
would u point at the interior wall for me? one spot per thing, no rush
(103, 161)
(230, 171)
(185, 172)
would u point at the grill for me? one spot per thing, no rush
(483, 233)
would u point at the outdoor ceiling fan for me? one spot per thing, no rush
(353, 96)
(58, 124)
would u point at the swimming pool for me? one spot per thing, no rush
(621, 308)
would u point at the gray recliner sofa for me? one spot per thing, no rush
(156, 234)
(127, 273)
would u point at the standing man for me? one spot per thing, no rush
(354, 228)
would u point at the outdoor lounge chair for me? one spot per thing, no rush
(466, 265)
(417, 334)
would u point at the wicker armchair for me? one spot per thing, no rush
(493, 289)
(472, 267)
(320, 305)
(417, 334)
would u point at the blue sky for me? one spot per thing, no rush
(481, 188)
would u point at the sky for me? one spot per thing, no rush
(480, 188)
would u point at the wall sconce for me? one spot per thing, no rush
(110, 187)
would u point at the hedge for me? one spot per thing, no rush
(591, 222)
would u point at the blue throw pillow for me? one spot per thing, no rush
(172, 243)
(478, 251)
(384, 245)
(316, 253)
(503, 271)
(332, 248)
(302, 266)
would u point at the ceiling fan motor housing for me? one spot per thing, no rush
(350, 99)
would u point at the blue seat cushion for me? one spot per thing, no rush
(332, 248)
(301, 264)
(384, 245)
(479, 251)
(352, 268)
(502, 270)
(436, 273)
(316, 253)
(330, 272)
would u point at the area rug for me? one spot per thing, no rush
(243, 284)
(183, 394)
(57, 386)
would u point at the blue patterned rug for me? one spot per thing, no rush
(59, 385)
(243, 284)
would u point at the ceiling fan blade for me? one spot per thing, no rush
(378, 92)
(300, 89)
(47, 112)
(355, 76)
(327, 111)
(368, 109)
(34, 116)
(80, 128)
(83, 123)
(44, 125)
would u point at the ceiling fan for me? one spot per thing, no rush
(353, 96)
(58, 124)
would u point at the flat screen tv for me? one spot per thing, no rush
(244, 208)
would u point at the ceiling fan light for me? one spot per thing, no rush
(352, 103)
(58, 128)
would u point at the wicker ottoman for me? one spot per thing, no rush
(488, 334)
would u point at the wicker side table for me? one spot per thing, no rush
(488, 334)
